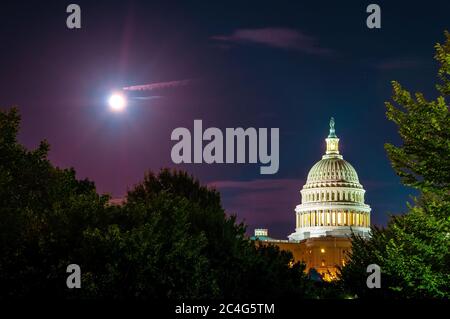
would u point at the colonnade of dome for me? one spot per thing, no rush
(327, 217)
(331, 195)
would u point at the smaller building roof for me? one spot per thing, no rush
(261, 238)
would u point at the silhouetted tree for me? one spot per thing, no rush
(239, 268)
(171, 240)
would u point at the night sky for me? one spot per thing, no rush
(290, 65)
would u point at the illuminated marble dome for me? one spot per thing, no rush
(332, 198)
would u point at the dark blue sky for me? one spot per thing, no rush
(290, 65)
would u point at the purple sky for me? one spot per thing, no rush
(290, 65)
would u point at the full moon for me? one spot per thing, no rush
(117, 102)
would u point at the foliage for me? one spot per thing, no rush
(413, 251)
(238, 267)
(171, 240)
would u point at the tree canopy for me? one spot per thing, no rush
(413, 251)
(170, 240)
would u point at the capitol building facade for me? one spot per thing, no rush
(332, 208)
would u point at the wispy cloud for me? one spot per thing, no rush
(283, 38)
(258, 184)
(398, 63)
(262, 203)
(158, 85)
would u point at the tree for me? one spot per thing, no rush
(171, 240)
(413, 251)
(239, 268)
(43, 213)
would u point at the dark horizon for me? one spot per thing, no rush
(258, 64)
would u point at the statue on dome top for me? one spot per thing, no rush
(332, 132)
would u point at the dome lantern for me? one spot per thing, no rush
(332, 142)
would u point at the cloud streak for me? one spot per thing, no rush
(259, 184)
(397, 64)
(158, 85)
(282, 38)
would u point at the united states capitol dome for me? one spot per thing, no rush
(332, 171)
(332, 198)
